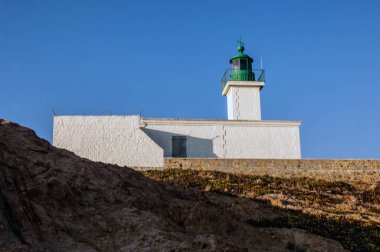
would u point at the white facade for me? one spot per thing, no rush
(137, 142)
(228, 139)
(108, 139)
(243, 99)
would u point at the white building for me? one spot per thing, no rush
(144, 142)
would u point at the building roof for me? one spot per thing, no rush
(258, 123)
(188, 121)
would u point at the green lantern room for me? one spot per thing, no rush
(241, 66)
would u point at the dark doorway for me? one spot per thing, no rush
(179, 146)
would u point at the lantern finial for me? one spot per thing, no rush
(240, 47)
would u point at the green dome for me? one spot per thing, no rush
(240, 49)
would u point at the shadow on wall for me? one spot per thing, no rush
(196, 147)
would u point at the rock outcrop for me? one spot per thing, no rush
(53, 200)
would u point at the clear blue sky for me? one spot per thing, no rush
(166, 59)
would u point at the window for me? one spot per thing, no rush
(243, 64)
(235, 64)
(179, 146)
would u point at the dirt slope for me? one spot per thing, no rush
(52, 200)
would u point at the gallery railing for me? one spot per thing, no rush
(243, 75)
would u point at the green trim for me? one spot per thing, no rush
(241, 55)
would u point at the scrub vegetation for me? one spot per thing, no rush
(333, 209)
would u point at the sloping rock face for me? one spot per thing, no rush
(52, 200)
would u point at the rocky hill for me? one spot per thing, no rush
(53, 200)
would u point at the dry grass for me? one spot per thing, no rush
(334, 209)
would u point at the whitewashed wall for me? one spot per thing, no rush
(243, 99)
(132, 141)
(203, 141)
(228, 139)
(243, 103)
(109, 139)
(262, 142)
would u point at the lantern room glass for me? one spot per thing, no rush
(235, 64)
(243, 64)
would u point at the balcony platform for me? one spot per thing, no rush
(231, 83)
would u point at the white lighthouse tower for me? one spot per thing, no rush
(242, 86)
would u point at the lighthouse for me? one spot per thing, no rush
(134, 141)
(242, 85)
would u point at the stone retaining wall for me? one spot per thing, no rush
(356, 170)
